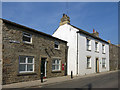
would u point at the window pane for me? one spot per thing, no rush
(22, 67)
(58, 61)
(22, 59)
(56, 46)
(30, 67)
(53, 67)
(30, 59)
(53, 61)
(28, 39)
(57, 67)
(88, 61)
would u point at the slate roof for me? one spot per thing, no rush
(89, 34)
(22, 26)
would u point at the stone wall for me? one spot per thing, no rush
(0, 53)
(113, 56)
(42, 46)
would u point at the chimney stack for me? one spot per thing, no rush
(109, 41)
(65, 20)
(95, 33)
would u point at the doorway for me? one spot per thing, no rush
(43, 66)
(97, 65)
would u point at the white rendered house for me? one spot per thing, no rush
(87, 53)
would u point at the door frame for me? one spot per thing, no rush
(97, 65)
(46, 60)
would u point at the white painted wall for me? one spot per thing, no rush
(68, 33)
(83, 53)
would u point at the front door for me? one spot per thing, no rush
(97, 65)
(43, 66)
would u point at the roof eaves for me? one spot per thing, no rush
(22, 26)
(87, 33)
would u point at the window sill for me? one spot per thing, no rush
(89, 68)
(56, 71)
(88, 50)
(30, 43)
(97, 51)
(57, 48)
(103, 53)
(103, 67)
(26, 73)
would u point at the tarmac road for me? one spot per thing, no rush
(109, 80)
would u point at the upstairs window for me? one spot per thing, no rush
(27, 38)
(88, 44)
(103, 63)
(96, 46)
(103, 48)
(26, 64)
(56, 45)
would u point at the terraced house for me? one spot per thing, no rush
(25, 53)
(87, 52)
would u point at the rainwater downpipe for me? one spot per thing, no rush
(77, 52)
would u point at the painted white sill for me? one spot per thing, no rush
(103, 67)
(89, 68)
(57, 48)
(27, 42)
(97, 51)
(26, 73)
(88, 49)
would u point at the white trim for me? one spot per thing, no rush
(28, 37)
(26, 63)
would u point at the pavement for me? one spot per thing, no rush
(48, 81)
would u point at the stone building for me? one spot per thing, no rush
(114, 57)
(26, 53)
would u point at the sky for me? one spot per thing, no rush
(45, 16)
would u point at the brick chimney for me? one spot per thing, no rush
(95, 33)
(65, 20)
(109, 41)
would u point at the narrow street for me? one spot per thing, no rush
(105, 80)
(109, 80)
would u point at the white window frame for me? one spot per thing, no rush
(30, 36)
(55, 64)
(104, 62)
(96, 46)
(103, 48)
(26, 63)
(88, 44)
(57, 43)
(89, 66)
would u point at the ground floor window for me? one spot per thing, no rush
(103, 63)
(26, 64)
(56, 63)
(88, 62)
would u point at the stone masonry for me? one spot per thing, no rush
(113, 56)
(42, 46)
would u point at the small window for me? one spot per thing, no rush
(56, 65)
(103, 63)
(88, 44)
(96, 46)
(103, 48)
(88, 62)
(56, 45)
(26, 64)
(27, 38)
